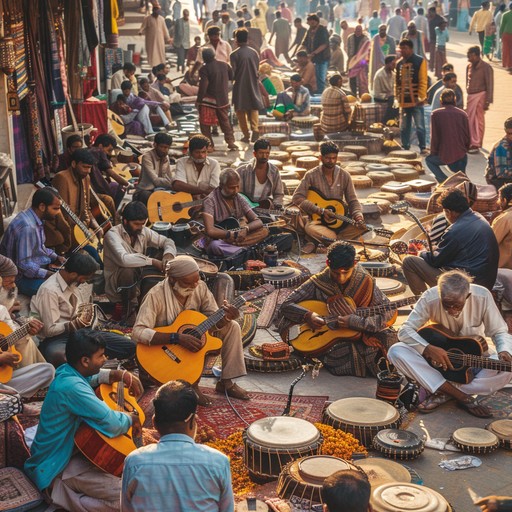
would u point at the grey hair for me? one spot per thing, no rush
(226, 175)
(454, 283)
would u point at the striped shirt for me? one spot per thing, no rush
(335, 110)
(272, 188)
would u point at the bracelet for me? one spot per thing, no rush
(236, 235)
(228, 235)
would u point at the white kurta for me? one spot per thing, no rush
(155, 30)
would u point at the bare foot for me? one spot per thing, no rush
(202, 399)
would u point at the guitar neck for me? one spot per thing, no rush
(275, 212)
(481, 362)
(212, 320)
(76, 219)
(15, 336)
(422, 227)
(385, 307)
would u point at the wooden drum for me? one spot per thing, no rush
(304, 121)
(502, 429)
(307, 162)
(398, 444)
(401, 497)
(390, 287)
(475, 440)
(271, 443)
(303, 478)
(382, 471)
(364, 418)
(276, 139)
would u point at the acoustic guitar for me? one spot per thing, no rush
(170, 362)
(338, 208)
(108, 453)
(116, 122)
(233, 225)
(316, 342)
(170, 207)
(464, 353)
(8, 339)
(101, 213)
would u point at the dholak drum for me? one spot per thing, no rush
(394, 497)
(475, 440)
(378, 268)
(398, 444)
(283, 277)
(503, 431)
(390, 287)
(303, 478)
(162, 228)
(364, 418)
(383, 471)
(270, 443)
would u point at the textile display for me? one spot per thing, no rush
(374, 113)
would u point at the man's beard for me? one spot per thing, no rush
(181, 291)
(8, 296)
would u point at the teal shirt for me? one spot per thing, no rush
(70, 400)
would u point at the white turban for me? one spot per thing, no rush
(182, 266)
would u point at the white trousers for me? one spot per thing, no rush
(30, 379)
(413, 365)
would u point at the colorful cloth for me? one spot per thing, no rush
(499, 163)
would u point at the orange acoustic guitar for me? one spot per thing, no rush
(8, 338)
(108, 453)
(170, 207)
(170, 362)
(318, 341)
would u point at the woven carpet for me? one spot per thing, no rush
(221, 418)
(500, 404)
(271, 307)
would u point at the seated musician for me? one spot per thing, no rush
(57, 305)
(24, 241)
(164, 476)
(466, 310)
(126, 254)
(72, 482)
(155, 169)
(183, 290)
(259, 179)
(72, 142)
(343, 278)
(197, 173)
(332, 182)
(73, 186)
(469, 244)
(224, 203)
(294, 101)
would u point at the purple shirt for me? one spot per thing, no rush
(449, 138)
(137, 103)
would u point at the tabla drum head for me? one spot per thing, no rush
(393, 497)
(314, 470)
(503, 430)
(398, 444)
(279, 272)
(363, 411)
(208, 268)
(161, 226)
(475, 440)
(282, 432)
(382, 471)
(389, 286)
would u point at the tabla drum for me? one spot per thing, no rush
(288, 175)
(371, 159)
(475, 440)
(282, 156)
(421, 185)
(304, 121)
(180, 233)
(502, 429)
(162, 228)
(206, 267)
(378, 268)
(361, 182)
(398, 444)
(378, 167)
(296, 148)
(380, 177)
(382, 205)
(361, 417)
(395, 187)
(276, 163)
(254, 362)
(276, 139)
(386, 196)
(345, 156)
(382, 471)
(390, 287)
(299, 171)
(299, 154)
(405, 175)
(403, 153)
(271, 443)
(307, 162)
(357, 150)
(418, 199)
(407, 497)
(303, 478)
(283, 277)
(290, 185)
(356, 171)
(284, 146)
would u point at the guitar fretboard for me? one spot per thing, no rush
(15, 336)
(480, 362)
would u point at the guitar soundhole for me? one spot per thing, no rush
(127, 406)
(176, 207)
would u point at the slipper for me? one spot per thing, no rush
(235, 391)
(473, 406)
(308, 248)
(433, 402)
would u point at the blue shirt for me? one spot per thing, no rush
(70, 400)
(442, 37)
(23, 243)
(179, 475)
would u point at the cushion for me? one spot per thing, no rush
(17, 492)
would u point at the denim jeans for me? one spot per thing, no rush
(434, 164)
(27, 286)
(407, 115)
(321, 75)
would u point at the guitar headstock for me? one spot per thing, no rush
(400, 207)
(261, 291)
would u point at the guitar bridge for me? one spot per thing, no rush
(159, 210)
(169, 353)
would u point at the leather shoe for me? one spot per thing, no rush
(235, 391)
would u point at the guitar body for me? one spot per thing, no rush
(264, 203)
(116, 122)
(171, 362)
(5, 369)
(334, 205)
(439, 336)
(105, 452)
(80, 239)
(228, 224)
(165, 206)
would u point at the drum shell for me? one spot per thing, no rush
(180, 233)
(162, 228)
(398, 453)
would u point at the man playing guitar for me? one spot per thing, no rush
(466, 310)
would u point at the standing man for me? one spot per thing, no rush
(227, 27)
(462, 15)
(316, 43)
(282, 30)
(337, 60)
(306, 69)
(155, 30)
(384, 87)
(222, 49)
(480, 20)
(442, 37)
(449, 82)
(260, 179)
(499, 164)
(358, 51)
(182, 39)
(212, 98)
(382, 46)
(449, 142)
(166, 476)
(411, 92)
(480, 90)
(397, 25)
(335, 114)
(246, 93)
(505, 34)
(300, 32)
(416, 36)
(434, 20)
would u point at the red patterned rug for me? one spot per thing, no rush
(221, 418)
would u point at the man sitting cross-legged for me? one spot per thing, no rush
(466, 310)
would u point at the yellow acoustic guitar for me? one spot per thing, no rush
(316, 342)
(8, 338)
(170, 207)
(108, 453)
(170, 362)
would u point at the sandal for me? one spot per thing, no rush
(235, 391)
(475, 408)
(433, 402)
